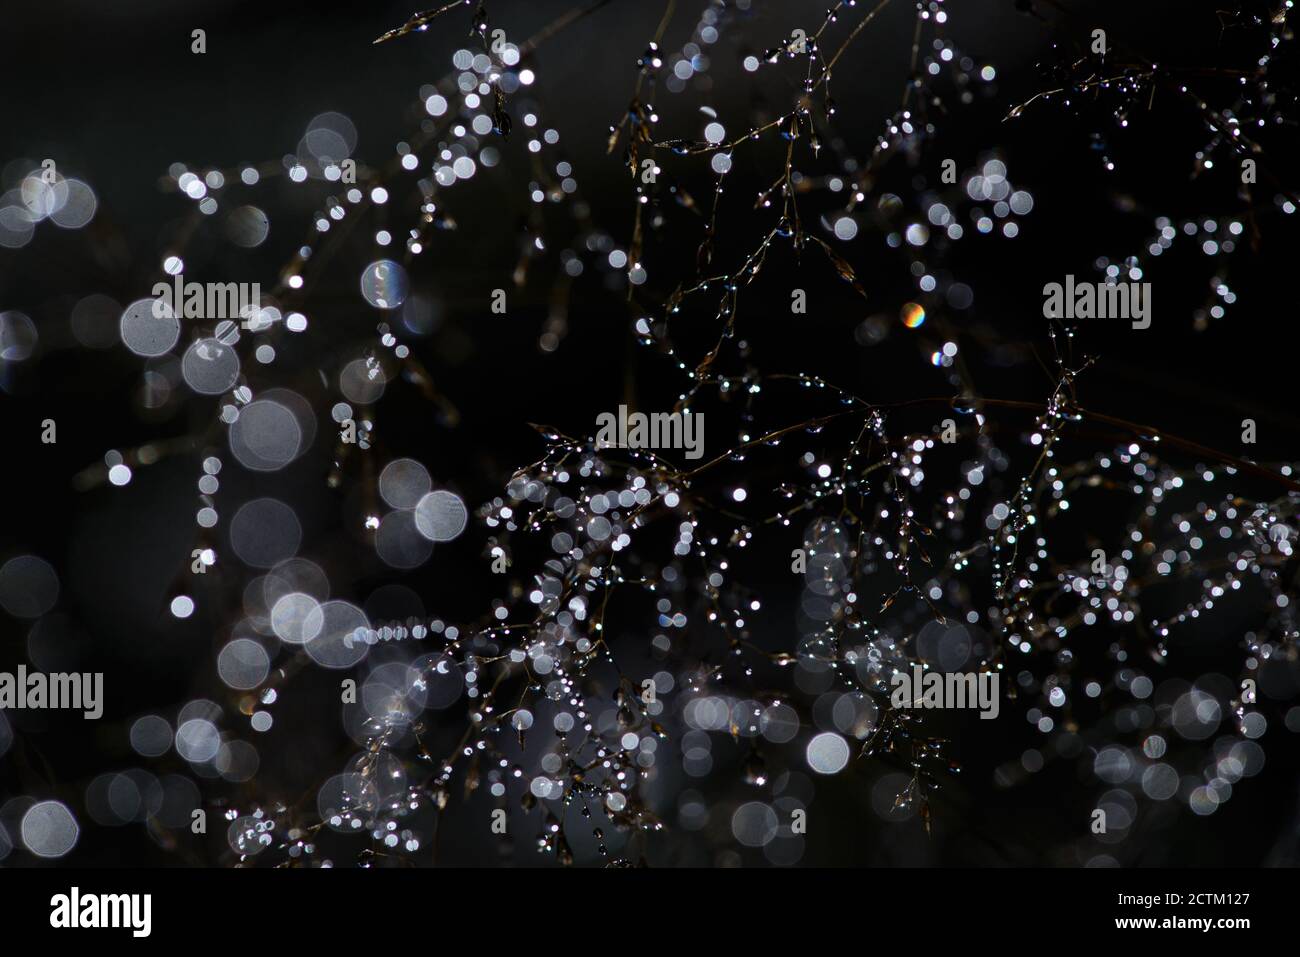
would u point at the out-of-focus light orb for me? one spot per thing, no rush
(198, 740)
(913, 315)
(154, 389)
(339, 634)
(441, 516)
(394, 696)
(828, 753)
(248, 226)
(440, 679)
(362, 381)
(151, 736)
(17, 225)
(884, 797)
(49, 829)
(330, 137)
(265, 532)
(754, 824)
(179, 798)
(246, 835)
(779, 723)
(115, 799)
(182, 606)
(384, 284)
(29, 586)
(119, 474)
(403, 482)
(599, 528)
(149, 327)
(346, 801)
(846, 227)
(289, 617)
(1196, 715)
(399, 542)
(1160, 782)
(1204, 801)
(78, 208)
(266, 436)
(18, 337)
(237, 762)
(210, 367)
(294, 575)
(302, 411)
(41, 197)
(95, 321)
(243, 664)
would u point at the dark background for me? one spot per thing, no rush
(113, 92)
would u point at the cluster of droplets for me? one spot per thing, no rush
(897, 567)
(1240, 113)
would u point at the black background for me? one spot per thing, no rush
(114, 93)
